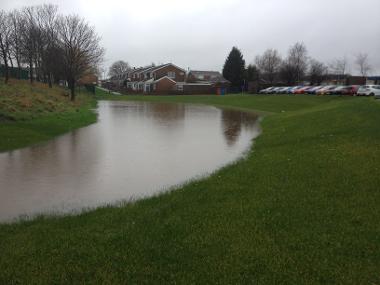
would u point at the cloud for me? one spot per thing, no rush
(200, 33)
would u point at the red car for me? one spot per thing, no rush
(302, 90)
(348, 90)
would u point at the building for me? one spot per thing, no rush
(373, 80)
(163, 78)
(205, 82)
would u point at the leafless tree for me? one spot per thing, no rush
(362, 62)
(5, 32)
(119, 67)
(80, 47)
(15, 38)
(317, 71)
(297, 61)
(339, 66)
(269, 64)
(47, 16)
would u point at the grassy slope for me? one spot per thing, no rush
(302, 208)
(34, 113)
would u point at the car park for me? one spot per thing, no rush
(369, 90)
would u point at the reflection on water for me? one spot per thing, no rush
(136, 149)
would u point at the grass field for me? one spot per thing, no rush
(33, 113)
(301, 208)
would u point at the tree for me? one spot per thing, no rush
(234, 69)
(252, 73)
(15, 38)
(269, 64)
(118, 68)
(362, 62)
(5, 32)
(80, 48)
(317, 71)
(297, 61)
(339, 66)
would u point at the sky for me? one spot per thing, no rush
(199, 34)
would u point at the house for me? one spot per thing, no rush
(373, 80)
(205, 82)
(157, 79)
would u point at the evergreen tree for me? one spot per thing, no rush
(252, 73)
(234, 69)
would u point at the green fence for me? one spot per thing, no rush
(14, 72)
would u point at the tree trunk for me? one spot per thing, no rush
(72, 89)
(5, 59)
(50, 81)
(31, 70)
(18, 67)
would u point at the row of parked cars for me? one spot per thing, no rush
(353, 90)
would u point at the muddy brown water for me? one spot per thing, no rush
(136, 149)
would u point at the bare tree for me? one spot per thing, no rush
(47, 15)
(362, 62)
(80, 46)
(339, 66)
(119, 67)
(269, 64)
(29, 35)
(5, 32)
(317, 71)
(15, 38)
(298, 61)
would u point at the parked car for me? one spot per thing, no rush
(302, 90)
(325, 90)
(348, 90)
(369, 90)
(266, 90)
(335, 91)
(314, 89)
(276, 90)
(294, 88)
(282, 90)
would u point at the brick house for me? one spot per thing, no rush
(206, 82)
(157, 79)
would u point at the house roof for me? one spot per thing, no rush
(165, 77)
(214, 76)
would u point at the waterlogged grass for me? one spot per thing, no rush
(33, 113)
(301, 208)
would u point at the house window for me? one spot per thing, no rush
(171, 74)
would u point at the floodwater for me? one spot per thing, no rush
(135, 150)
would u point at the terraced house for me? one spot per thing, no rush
(163, 78)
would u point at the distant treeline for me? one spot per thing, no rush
(271, 68)
(51, 46)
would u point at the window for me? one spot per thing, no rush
(171, 74)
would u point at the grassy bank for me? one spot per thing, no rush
(33, 113)
(301, 208)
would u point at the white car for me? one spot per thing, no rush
(369, 90)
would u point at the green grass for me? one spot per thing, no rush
(301, 208)
(30, 114)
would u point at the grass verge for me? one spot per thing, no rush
(33, 113)
(301, 208)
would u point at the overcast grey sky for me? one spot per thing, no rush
(200, 33)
